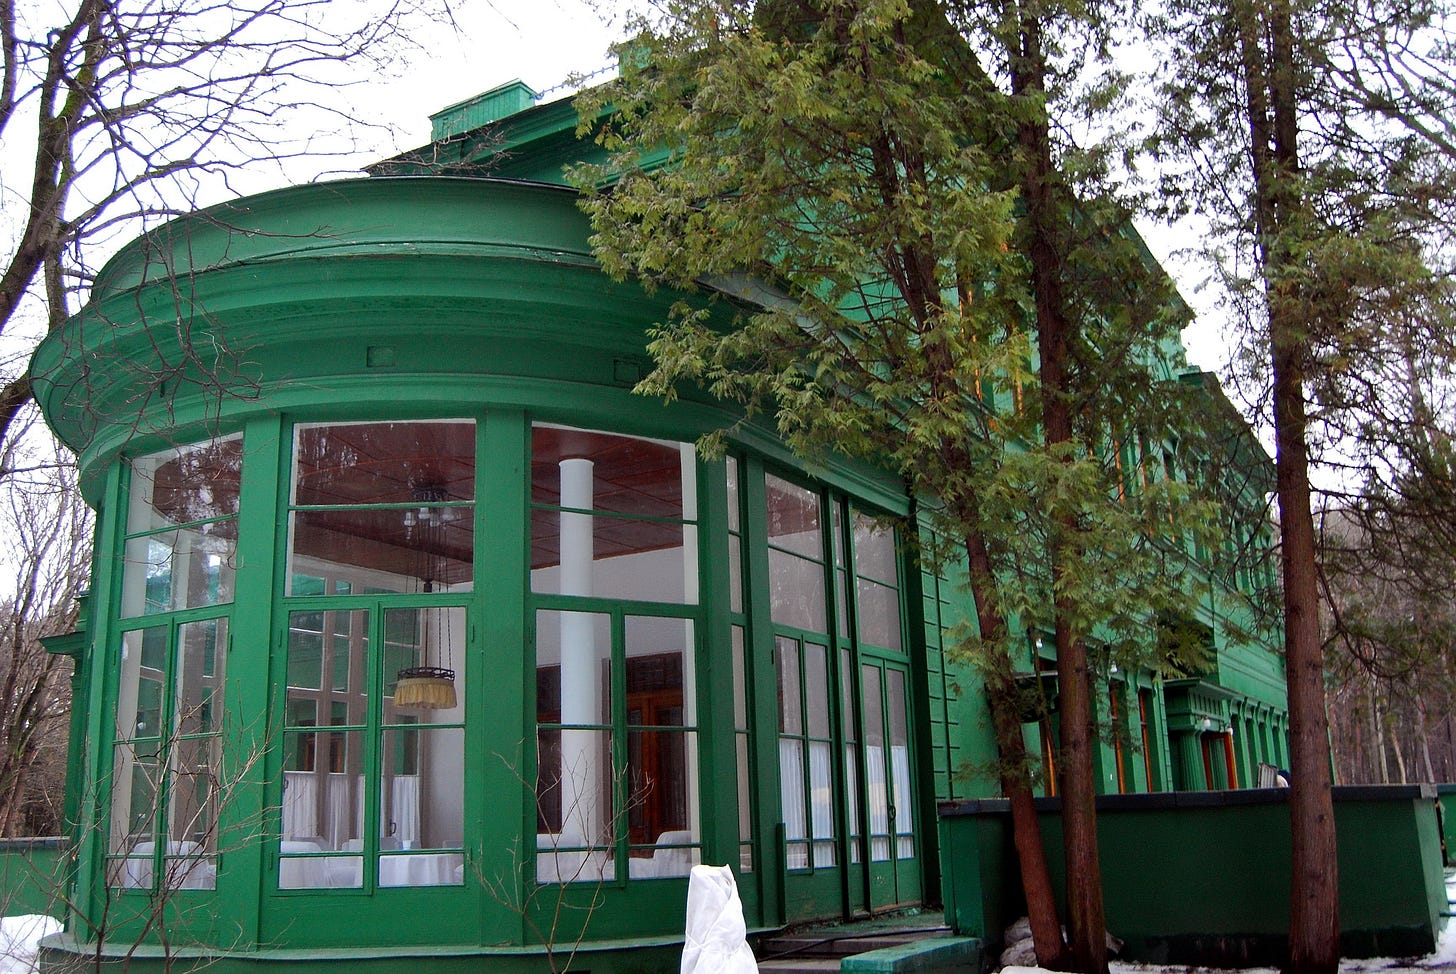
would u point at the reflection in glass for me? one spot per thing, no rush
(900, 797)
(422, 541)
(182, 486)
(630, 475)
(383, 463)
(877, 786)
(793, 518)
(874, 549)
(791, 714)
(796, 591)
(180, 569)
(166, 762)
(618, 558)
(337, 813)
(573, 679)
(879, 614)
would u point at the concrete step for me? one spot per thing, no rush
(801, 965)
(841, 946)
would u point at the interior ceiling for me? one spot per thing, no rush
(629, 476)
(402, 463)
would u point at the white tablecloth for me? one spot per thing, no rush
(421, 869)
(185, 866)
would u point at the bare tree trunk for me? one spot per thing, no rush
(1399, 756)
(1377, 727)
(1423, 735)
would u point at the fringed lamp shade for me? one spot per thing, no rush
(425, 688)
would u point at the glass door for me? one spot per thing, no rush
(890, 797)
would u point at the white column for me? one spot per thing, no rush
(580, 670)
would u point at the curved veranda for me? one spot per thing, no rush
(413, 632)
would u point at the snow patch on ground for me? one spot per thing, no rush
(18, 937)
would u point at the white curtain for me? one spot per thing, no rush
(336, 811)
(879, 802)
(791, 789)
(904, 804)
(821, 794)
(404, 813)
(300, 804)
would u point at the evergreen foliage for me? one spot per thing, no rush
(839, 181)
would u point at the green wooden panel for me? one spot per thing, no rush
(1220, 892)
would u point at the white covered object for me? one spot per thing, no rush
(717, 938)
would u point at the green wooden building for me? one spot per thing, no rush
(413, 632)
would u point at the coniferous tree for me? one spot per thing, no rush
(848, 172)
(1316, 138)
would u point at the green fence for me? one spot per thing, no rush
(1204, 876)
(32, 874)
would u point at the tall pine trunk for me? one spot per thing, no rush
(1086, 920)
(1267, 49)
(1003, 699)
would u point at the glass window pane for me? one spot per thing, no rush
(423, 662)
(422, 802)
(201, 658)
(609, 472)
(659, 672)
(180, 569)
(658, 792)
(876, 784)
(745, 798)
(735, 574)
(193, 483)
(135, 776)
(301, 867)
(874, 549)
(384, 463)
(836, 533)
(733, 514)
(846, 695)
(422, 869)
(335, 642)
(903, 801)
(613, 557)
(323, 789)
(408, 550)
(796, 591)
(793, 518)
(879, 614)
(821, 801)
(791, 782)
(841, 601)
(141, 687)
(574, 789)
(791, 713)
(740, 690)
(816, 679)
(573, 668)
(192, 808)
